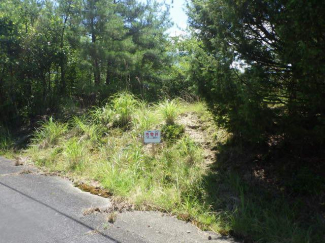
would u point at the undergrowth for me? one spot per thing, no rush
(6, 142)
(106, 145)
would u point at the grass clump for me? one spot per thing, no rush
(74, 153)
(49, 133)
(145, 118)
(123, 104)
(88, 130)
(169, 110)
(102, 115)
(172, 132)
(6, 141)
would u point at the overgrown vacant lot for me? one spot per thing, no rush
(177, 176)
(106, 145)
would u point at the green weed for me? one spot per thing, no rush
(90, 131)
(174, 178)
(124, 105)
(49, 133)
(169, 110)
(172, 132)
(145, 118)
(6, 141)
(74, 154)
(103, 115)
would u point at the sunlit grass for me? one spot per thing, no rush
(124, 105)
(173, 177)
(169, 110)
(49, 133)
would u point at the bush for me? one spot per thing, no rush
(172, 132)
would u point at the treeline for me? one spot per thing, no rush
(261, 66)
(51, 50)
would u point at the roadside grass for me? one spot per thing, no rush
(106, 145)
(251, 213)
(6, 143)
(50, 133)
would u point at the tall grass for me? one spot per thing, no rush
(49, 133)
(169, 110)
(124, 105)
(6, 140)
(103, 115)
(145, 118)
(173, 177)
(88, 130)
(74, 153)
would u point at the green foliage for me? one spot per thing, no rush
(6, 141)
(144, 118)
(90, 131)
(305, 182)
(179, 82)
(102, 115)
(172, 132)
(78, 50)
(74, 153)
(272, 94)
(119, 160)
(169, 110)
(124, 105)
(174, 177)
(49, 133)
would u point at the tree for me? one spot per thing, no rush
(281, 44)
(82, 49)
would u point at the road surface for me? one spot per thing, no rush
(38, 208)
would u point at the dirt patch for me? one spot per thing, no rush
(25, 172)
(200, 131)
(118, 205)
(20, 160)
(95, 190)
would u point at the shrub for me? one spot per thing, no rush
(172, 132)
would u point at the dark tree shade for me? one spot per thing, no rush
(281, 46)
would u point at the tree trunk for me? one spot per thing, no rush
(94, 54)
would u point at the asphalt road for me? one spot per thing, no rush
(38, 208)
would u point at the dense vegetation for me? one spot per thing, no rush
(52, 51)
(259, 66)
(277, 96)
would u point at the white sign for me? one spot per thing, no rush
(152, 136)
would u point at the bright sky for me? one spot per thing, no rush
(177, 15)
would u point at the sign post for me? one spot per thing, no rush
(152, 137)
